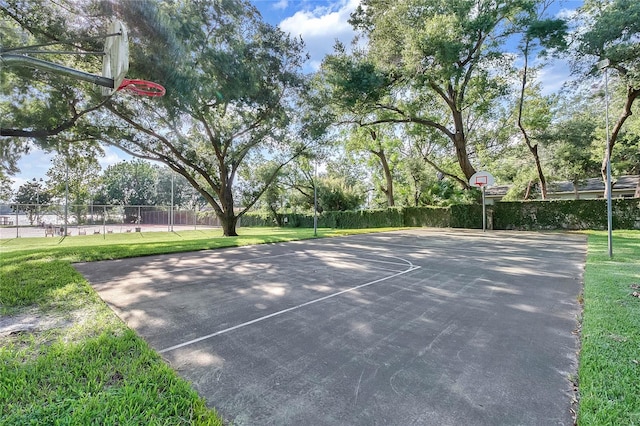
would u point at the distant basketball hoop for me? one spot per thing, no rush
(482, 180)
(142, 87)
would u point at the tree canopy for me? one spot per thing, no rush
(428, 93)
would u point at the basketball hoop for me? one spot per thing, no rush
(142, 87)
(481, 180)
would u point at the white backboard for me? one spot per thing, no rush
(481, 179)
(116, 56)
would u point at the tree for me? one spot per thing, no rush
(384, 148)
(335, 195)
(184, 195)
(231, 91)
(572, 157)
(129, 183)
(5, 188)
(538, 32)
(612, 34)
(74, 175)
(437, 61)
(30, 197)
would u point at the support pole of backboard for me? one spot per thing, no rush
(28, 61)
(481, 180)
(484, 210)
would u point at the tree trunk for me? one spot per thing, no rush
(460, 143)
(227, 216)
(229, 223)
(387, 176)
(527, 192)
(632, 94)
(532, 148)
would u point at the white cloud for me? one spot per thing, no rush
(111, 157)
(281, 5)
(554, 75)
(33, 165)
(321, 26)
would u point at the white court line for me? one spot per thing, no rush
(411, 268)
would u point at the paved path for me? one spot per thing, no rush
(419, 327)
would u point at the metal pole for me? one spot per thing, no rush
(484, 211)
(608, 154)
(315, 201)
(172, 220)
(56, 68)
(66, 200)
(604, 65)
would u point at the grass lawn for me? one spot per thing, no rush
(609, 372)
(65, 358)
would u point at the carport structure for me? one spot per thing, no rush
(420, 326)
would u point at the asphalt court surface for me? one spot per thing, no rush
(415, 327)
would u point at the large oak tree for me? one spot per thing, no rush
(439, 62)
(232, 84)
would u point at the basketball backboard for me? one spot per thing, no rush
(116, 56)
(481, 179)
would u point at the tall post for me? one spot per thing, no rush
(484, 210)
(604, 64)
(315, 200)
(172, 219)
(37, 200)
(609, 207)
(66, 199)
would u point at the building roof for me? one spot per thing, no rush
(621, 183)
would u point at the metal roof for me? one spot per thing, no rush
(621, 183)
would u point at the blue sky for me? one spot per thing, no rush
(320, 23)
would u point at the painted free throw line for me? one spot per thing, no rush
(411, 268)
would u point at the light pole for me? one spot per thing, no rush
(315, 200)
(604, 65)
(66, 199)
(37, 185)
(172, 218)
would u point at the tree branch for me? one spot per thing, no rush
(45, 133)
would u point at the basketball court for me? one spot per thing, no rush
(422, 326)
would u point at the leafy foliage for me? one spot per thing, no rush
(231, 97)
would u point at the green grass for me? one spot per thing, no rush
(80, 364)
(609, 371)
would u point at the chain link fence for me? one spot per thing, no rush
(43, 220)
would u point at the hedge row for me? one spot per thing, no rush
(566, 214)
(529, 215)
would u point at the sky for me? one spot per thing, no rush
(320, 23)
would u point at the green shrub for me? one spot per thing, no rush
(439, 217)
(466, 216)
(517, 215)
(566, 214)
